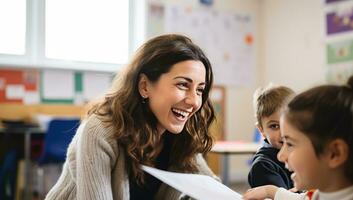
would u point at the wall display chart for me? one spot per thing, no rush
(51, 86)
(226, 37)
(339, 40)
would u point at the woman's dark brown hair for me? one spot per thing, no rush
(325, 113)
(134, 123)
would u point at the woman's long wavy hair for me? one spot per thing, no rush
(135, 124)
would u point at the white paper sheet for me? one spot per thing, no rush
(31, 97)
(15, 91)
(194, 185)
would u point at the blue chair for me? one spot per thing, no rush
(8, 174)
(57, 139)
(257, 137)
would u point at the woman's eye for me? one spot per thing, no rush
(182, 85)
(200, 91)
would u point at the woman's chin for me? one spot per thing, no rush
(175, 129)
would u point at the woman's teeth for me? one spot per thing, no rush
(183, 114)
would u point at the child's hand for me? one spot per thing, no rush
(262, 192)
(293, 189)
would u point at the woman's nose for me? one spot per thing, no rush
(193, 99)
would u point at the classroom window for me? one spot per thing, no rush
(74, 34)
(13, 26)
(94, 30)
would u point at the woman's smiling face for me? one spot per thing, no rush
(177, 95)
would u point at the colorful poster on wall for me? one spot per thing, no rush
(341, 51)
(19, 86)
(339, 61)
(339, 41)
(31, 83)
(333, 1)
(339, 19)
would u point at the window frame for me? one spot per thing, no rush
(34, 56)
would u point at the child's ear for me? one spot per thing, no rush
(143, 85)
(338, 152)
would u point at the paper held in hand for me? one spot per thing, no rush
(194, 185)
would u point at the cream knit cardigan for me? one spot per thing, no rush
(95, 168)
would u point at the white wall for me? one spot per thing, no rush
(294, 47)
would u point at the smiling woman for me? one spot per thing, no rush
(157, 113)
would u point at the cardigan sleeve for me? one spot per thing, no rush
(288, 195)
(95, 159)
(204, 168)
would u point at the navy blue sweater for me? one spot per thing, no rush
(267, 169)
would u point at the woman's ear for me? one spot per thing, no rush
(143, 86)
(337, 153)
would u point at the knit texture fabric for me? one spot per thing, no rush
(95, 167)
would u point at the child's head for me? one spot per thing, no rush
(317, 127)
(267, 104)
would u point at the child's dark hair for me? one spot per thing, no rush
(325, 113)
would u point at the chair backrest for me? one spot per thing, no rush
(257, 137)
(57, 139)
(8, 174)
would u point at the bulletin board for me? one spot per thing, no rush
(49, 86)
(25, 93)
(339, 40)
(18, 86)
(226, 37)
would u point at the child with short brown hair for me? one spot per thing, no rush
(266, 168)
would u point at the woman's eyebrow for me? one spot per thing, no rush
(184, 77)
(188, 79)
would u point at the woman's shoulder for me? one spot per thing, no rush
(94, 131)
(96, 126)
